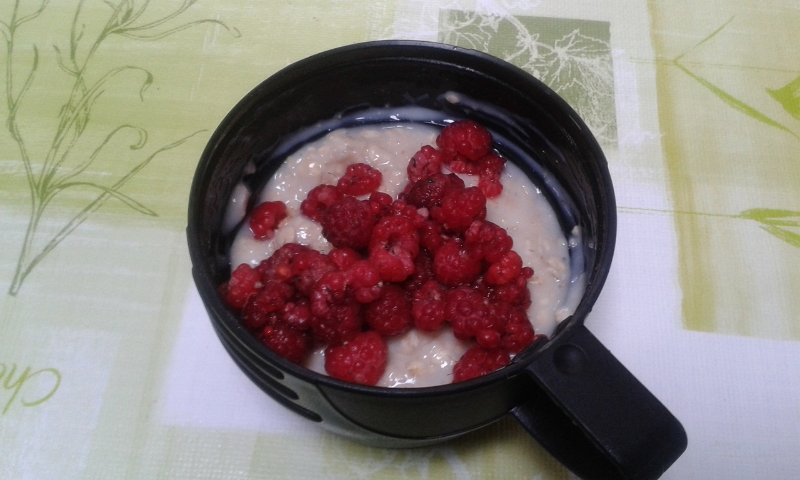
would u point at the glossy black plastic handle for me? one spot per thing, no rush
(594, 416)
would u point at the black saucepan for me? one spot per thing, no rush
(569, 392)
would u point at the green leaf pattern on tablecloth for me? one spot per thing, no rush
(68, 162)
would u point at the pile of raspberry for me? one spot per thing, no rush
(424, 260)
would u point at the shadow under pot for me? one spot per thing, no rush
(568, 392)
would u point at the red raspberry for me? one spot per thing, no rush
(245, 282)
(514, 293)
(423, 272)
(297, 314)
(470, 313)
(428, 307)
(431, 236)
(426, 162)
(452, 265)
(380, 204)
(278, 267)
(262, 308)
(308, 267)
(390, 314)
(518, 332)
(287, 342)
(490, 168)
(348, 223)
(264, 219)
(461, 164)
(318, 200)
(476, 362)
(343, 258)
(329, 290)
(362, 360)
(465, 137)
(429, 192)
(394, 245)
(359, 179)
(505, 270)
(401, 208)
(460, 208)
(487, 241)
(342, 323)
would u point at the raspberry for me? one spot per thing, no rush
(394, 245)
(431, 236)
(341, 323)
(380, 204)
(460, 208)
(265, 218)
(262, 308)
(476, 362)
(428, 307)
(470, 313)
(318, 200)
(287, 342)
(430, 191)
(514, 293)
(362, 360)
(297, 314)
(403, 209)
(517, 332)
(390, 314)
(348, 223)
(423, 272)
(487, 241)
(426, 162)
(465, 137)
(452, 265)
(308, 267)
(329, 290)
(359, 179)
(343, 258)
(244, 283)
(461, 164)
(505, 270)
(278, 267)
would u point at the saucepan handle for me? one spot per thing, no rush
(594, 416)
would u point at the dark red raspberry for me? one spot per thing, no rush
(476, 362)
(318, 200)
(507, 269)
(342, 323)
(264, 219)
(460, 208)
(362, 360)
(359, 179)
(452, 265)
(428, 307)
(470, 313)
(380, 203)
(263, 308)
(362, 274)
(429, 192)
(308, 267)
(245, 281)
(297, 314)
(287, 342)
(518, 332)
(390, 314)
(431, 236)
(426, 162)
(465, 137)
(278, 267)
(394, 245)
(423, 272)
(487, 241)
(343, 258)
(514, 293)
(348, 223)
(329, 290)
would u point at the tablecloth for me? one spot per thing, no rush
(109, 367)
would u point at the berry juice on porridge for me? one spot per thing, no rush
(400, 255)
